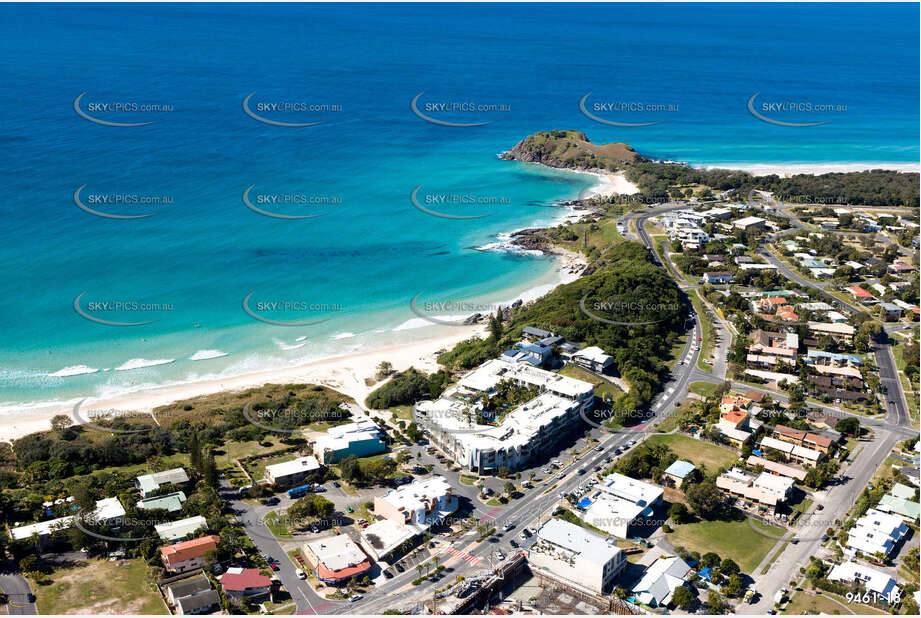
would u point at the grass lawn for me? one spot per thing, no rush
(600, 236)
(467, 480)
(402, 413)
(277, 526)
(730, 539)
(707, 334)
(674, 415)
(826, 603)
(100, 587)
(704, 389)
(256, 468)
(603, 388)
(697, 451)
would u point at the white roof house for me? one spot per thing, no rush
(384, 536)
(594, 357)
(577, 555)
(107, 511)
(876, 532)
(660, 580)
(337, 552)
(148, 483)
(873, 580)
(280, 472)
(180, 529)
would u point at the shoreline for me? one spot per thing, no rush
(814, 169)
(345, 372)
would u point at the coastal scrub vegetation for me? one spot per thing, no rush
(406, 388)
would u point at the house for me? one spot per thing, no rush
(386, 538)
(838, 332)
(150, 483)
(766, 490)
(360, 438)
(535, 333)
(336, 559)
(593, 358)
(871, 579)
(860, 294)
(660, 580)
(803, 438)
(899, 501)
(898, 268)
(717, 277)
(108, 511)
(291, 472)
(876, 533)
(169, 502)
(239, 583)
(188, 555)
(769, 348)
(180, 529)
(891, 311)
(678, 471)
(749, 223)
(193, 596)
(793, 452)
(204, 602)
(577, 556)
(775, 467)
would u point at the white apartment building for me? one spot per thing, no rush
(577, 556)
(521, 434)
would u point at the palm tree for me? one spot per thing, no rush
(419, 570)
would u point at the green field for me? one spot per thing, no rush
(730, 539)
(708, 333)
(696, 451)
(704, 389)
(277, 526)
(100, 587)
(826, 603)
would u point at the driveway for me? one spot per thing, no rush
(17, 591)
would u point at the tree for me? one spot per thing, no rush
(710, 559)
(683, 597)
(733, 587)
(195, 459)
(706, 499)
(60, 422)
(729, 567)
(509, 488)
(715, 602)
(848, 426)
(384, 369)
(678, 513)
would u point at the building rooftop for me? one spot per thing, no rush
(152, 482)
(171, 502)
(680, 468)
(240, 580)
(179, 529)
(287, 468)
(187, 550)
(577, 541)
(337, 553)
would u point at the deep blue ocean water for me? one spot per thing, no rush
(372, 250)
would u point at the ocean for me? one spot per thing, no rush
(347, 273)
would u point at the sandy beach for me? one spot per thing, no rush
(344, 373)
(610, 184)
(791, 169)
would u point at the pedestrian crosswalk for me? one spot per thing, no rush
(465, 556)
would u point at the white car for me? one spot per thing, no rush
(300, 574)
(354, 597)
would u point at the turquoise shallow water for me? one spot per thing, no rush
(372, 250)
